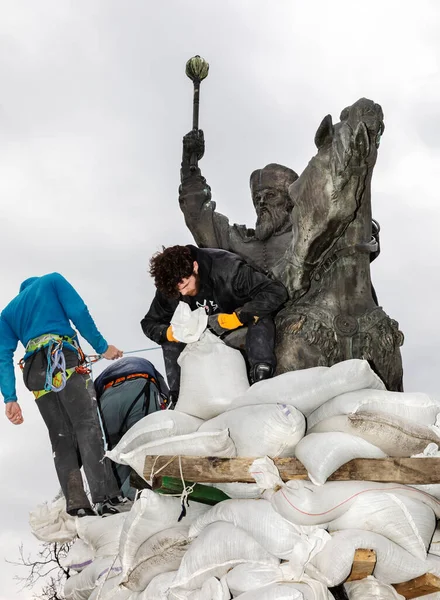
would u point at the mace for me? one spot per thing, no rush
(197, 70)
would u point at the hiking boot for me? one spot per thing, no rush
(82, 512)
(260, 372)
(113, 506)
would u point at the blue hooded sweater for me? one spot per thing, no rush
(44, 305)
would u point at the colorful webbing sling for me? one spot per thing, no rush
(55, 360)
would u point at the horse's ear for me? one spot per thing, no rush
(325, 132)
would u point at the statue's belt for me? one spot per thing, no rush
(342, 324)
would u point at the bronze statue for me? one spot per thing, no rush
(262, 246)
(316, 234)
(332, 314)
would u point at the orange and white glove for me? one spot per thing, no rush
(170, 336)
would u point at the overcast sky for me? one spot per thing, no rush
(94, 102)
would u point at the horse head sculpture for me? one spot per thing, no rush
(333, 313)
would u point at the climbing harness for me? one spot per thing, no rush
(56, 362)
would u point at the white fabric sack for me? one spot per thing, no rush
(212, 375)
(158, 588)
(323, 453)
(102, 535)
(307, 389)
(218, 548)
(162, 552)
(155, 426)
(188, 325)
(285, 591)
(212, 589)
(249, 576)
(239, 490)
(80, 586)
(394, 435)
(204, 443)
(267, 429)
(416, 407)
(51, 523)
(150, 514)
(333, 564)
(79, 556)
(303, 503)
(258, 519)
(109, 589)
(371, 589)
(405, 521)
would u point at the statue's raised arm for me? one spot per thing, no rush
(261, 246)
(209, 228)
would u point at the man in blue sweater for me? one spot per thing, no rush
(39, 317)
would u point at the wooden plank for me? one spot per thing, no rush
(224, 470)
(418, 587)
(364, 562)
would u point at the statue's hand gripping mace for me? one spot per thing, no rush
(197, 70)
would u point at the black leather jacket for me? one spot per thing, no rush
(235, 284)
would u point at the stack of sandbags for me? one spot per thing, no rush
(396, 521)
(94, 555)
(367, 424)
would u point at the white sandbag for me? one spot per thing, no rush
(218, 548)
(417, 407)
(212, 589)
(51, 523)
(405, 521)
(286, 591)
(212, 375)
(109, 589)
(307, 389)
(432, 489)
(393, 564)
(188, 325)
(155, 426)
(323, 453)
(162, 552)
(102, 535)
(371, 589)
(394, 435)
(249, 576)
(204, 443)
(150, 514)
(158, 588)
(258, 519)
(303, 503)
(79, 556)
(268, 429)
(239, 490)
(80, 586)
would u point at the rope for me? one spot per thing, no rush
(91, 359)
(55, 360)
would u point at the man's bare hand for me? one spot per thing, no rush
(112, 353)
(13, 412)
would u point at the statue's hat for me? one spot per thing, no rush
(273, 176)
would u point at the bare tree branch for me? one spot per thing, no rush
(44, 569)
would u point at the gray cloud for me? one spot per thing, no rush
(93, 105)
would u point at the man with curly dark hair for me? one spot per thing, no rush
(234, 295)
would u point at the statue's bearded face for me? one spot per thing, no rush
(273, 210)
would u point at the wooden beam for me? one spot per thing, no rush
(420, 586)
(224, 470)
(364, 562)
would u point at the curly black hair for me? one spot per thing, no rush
(169, 267)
